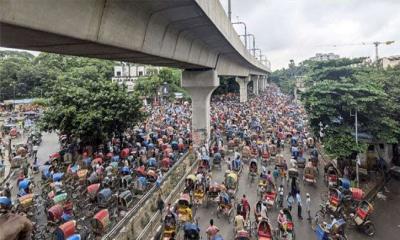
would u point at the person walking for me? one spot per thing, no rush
(308, 206)
(212, 230)
(299, 204)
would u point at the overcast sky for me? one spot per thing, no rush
(297, 29)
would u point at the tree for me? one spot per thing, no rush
(92, 110)
(339, 90)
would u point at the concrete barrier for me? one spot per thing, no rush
(138, 218)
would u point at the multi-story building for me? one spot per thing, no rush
(127, 74)
(390, 61)
(324, 57)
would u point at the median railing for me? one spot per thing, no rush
(137, 219)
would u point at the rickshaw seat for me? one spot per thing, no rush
(361, 213)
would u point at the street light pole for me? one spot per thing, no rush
(245, 31)
(229, 10)
(358, 157)
(254, 43)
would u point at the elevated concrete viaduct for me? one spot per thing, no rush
(194, 35)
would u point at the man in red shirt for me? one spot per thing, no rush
(246, 206)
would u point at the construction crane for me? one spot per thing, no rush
(376, 44)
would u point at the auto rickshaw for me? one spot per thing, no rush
(231, 184)
(310, 173)
(361, 218)
(264, 230)
(183, 208)
(253, 170)
(169, 226)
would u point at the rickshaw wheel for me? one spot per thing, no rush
(369, 228)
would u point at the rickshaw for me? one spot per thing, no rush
(225, 206)
(92, 191)
(331, 176)
(264, 230)
(262, 185)
(286, 229)
(280, 161)
(310, 142)
(270, 194)
(101, 221)
(169, 226)
(361, 218)
(125, 199)
(25, 203)
(189, 183)
(65, 230)
(183, 208)
(18, 161)
(242, 235)
(217, 161)
(213, 193)
(152, 164)
(253, 170)
(310, 173)
(82, 175)
(231, 184)
(333, 204)
(325, 231)
(204, 164)
(191, 231)
(125, 153)
(152, 176)
(165, 164)
(104, 197)
(199, 193)
(246, 152)
(141, 184)
(265, 157)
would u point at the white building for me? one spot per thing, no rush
(324, 57)
(390, 61)
(127, 74)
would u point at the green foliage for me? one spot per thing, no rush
(149, 86)
(338, 90)
(92, 110)
(35, 76)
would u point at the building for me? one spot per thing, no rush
(324, 57)
(390, 61)
(127, 73)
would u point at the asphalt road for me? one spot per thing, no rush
(383, 217)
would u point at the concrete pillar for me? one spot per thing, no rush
(200, 84)
(243, 88)
(260, 84)
(255, 85)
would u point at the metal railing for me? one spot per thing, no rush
(125, 220)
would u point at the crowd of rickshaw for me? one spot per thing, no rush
(260, 144)
(82, 193)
